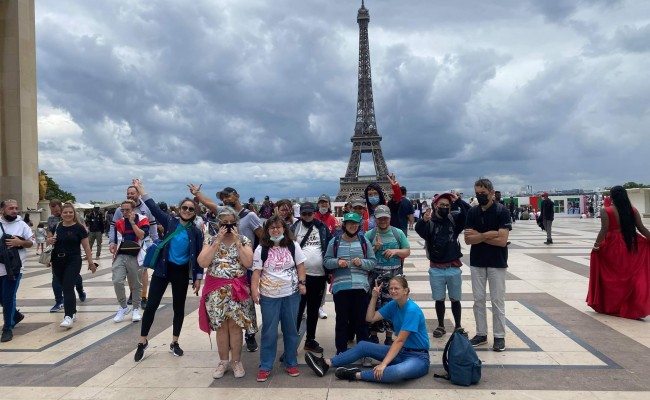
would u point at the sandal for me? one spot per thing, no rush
(462, 332)
(439, 332)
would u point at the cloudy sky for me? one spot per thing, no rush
(261, 95)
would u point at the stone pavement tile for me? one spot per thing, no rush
(139, 393)
(106, 377)
(31, 393)
(165, 377)
(82, 393)
(249, 393)
(620, 395)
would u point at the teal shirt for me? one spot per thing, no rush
(388, 242)
(179, 247)
(353, 277)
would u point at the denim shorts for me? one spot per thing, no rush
(449, 277)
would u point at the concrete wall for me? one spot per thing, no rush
(640, 198)
(18, 131)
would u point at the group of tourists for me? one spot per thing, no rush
(283, 262)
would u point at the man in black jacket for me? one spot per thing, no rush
(95, 224)
(440, 231)
(547, 217)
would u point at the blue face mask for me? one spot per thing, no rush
(374, 200)
(277, 238)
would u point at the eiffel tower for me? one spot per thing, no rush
(365, 138)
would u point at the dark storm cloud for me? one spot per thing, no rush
(462, 89)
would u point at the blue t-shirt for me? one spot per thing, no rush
(409, 318)
(179, 247)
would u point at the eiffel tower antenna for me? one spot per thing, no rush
(365, 138)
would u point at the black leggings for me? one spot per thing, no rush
(66, 271)
(177, 275)
(315, 289)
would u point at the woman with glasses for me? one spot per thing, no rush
(178, 255)
(406, 358)
(226, 305)
(279, 279)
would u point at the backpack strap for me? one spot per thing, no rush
(360, 237)
(244, 212)
(335, 246)
(373, 233)
(304, 239)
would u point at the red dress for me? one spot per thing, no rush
(619, 281)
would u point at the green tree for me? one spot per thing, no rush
(633, 185)
(55, 192)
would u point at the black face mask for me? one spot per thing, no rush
(230, 203)
(444, 212)
(308, 224)
(9, 218)
(482, 198)
(229, 227)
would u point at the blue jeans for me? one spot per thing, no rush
(282, 310)
(406, 365)
(8, 289)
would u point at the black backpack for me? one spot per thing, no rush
(9, 256)
(439, 238)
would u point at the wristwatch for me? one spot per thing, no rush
(302, 282)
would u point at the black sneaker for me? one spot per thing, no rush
(312, 345)
(6, 335)
(18, 316)
(317, 364)
(478, 340)
(349, 374)
(251, 343)
(130, 300)
(143, 303)
(499, 344)
(139, 352)
(373, 339)
(175, 349)
(388, 341)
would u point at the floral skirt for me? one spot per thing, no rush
(221, 306)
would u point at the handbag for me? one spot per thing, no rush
(129, 248)
(46, 256)
(152, 252)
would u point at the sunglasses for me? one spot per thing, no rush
(307, 214)
(186, 208)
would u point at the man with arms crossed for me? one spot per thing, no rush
(487, 228)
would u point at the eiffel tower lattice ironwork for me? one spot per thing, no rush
(365, 138)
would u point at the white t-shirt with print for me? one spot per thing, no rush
(312, 250)
(279, 276)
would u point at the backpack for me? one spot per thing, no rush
(360, 237)
(292, 249)
(440, 240)
(460, 361)
(373, 233)
(266, 211)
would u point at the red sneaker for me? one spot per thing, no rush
(263, 375)
(293, 371)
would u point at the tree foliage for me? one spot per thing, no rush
(55, 192)
(633, 185)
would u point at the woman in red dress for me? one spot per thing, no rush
(619, 279)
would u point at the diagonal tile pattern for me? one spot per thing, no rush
(557, 346)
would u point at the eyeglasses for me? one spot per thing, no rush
(307, 214)
(276, 228)
(186, 208)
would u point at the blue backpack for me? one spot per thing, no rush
(460, 361)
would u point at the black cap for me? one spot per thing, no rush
(266, 197)
(324, 197)
(225, 192)
(307, 207)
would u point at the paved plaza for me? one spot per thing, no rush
(557, 347)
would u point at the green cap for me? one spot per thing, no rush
(352, 216)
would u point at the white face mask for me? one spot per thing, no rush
(322, 210)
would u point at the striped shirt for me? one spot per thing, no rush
(352, 277)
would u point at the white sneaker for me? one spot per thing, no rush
(135, 317)
(67, 322)
(121, 313)
(322, 314)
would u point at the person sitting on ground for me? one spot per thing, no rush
(406, 358)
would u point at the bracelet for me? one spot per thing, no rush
(302, 282)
